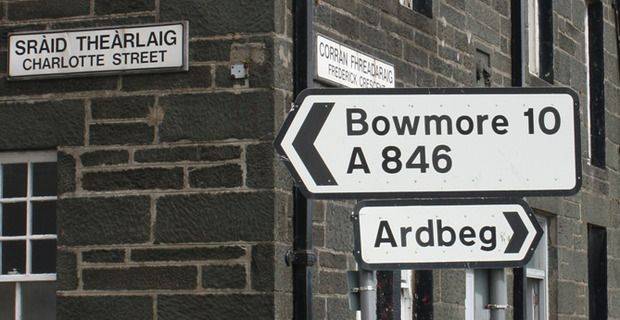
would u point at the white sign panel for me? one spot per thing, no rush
(435, 234)
(342, 65)
(161, 47)
(357, 143)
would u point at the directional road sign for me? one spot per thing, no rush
(386, 143)
(429, 234)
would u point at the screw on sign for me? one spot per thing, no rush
(386, 143)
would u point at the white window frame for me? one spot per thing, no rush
(533, 37)
(470, 312)
(541, 274)
(406, 3)
(29, 158)
(406, 294)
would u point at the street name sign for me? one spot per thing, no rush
(459, 233)
(341, 65)
(457, 142)
(100, 51)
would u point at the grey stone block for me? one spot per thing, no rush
(198, 153)
(217, 116)
(221, 307)
(121, 134)
(123, 6)
(140, 278)
(215, 17)
(215, 217)
(85, 221)
(121, 107)
(66, 173)
(224, 176)
(42, 9)
(188, 254)
(105, 308)
(66, 270)
(41, 125)
(224, 277)
(103, 256)
(133, 179)
(104, 157)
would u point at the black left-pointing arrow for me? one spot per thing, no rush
(519, 232)
(304, 144)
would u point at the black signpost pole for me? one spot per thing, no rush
(303, 255)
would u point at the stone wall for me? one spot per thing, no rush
(167, 207)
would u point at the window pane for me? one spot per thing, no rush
(38, 300)
(44, 256)
(44, 179)
(7, 301)
(13, 257)
(14, 180)
(14, 219)
(44, 217)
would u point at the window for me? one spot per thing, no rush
(424, 7)
(27, 235)
(597, 272)
(540, 38)
(596, 82)
(536, 283)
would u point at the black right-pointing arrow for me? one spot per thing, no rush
(304, 144)
(519, 232)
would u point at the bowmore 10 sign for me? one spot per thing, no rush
(386, 143)
(107, 50)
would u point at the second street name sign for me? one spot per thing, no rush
(342, 65)
(358, 143)
(107, 50)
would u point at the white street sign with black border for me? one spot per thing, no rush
(161, 47)
(448, 142)
(457, 233)
(342, 65)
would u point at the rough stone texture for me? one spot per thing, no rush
(121, 133)
(260, 166)
(221, 307)
(123, 6)
(41, 125)
(103, 256)
(225, 176)
(188, 154)
(104, 157)
(66, 266)
(43, 9)
(188, 254)
(136, 179)
(214, 17)
(105, 308)
(222, 277)
(84, 221)
(196, 77)
(66, 173)
(140, 278)
(215, 217)
(262, 267)
(121, 107)
(219, 116)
